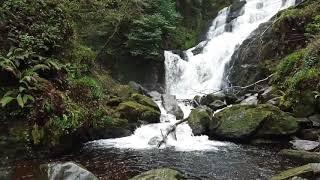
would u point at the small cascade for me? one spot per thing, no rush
(148, 136)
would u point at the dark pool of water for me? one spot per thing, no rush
(232, 162)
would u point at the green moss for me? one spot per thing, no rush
(134, 111)
(144, 100)
(243, 121)
(288, 65)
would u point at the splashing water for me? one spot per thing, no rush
(203, 73)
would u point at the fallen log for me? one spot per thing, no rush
(172, 129)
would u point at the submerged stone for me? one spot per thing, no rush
(160, 174)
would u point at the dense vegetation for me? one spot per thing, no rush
(52, 85)
(298, 75)
(50, 82)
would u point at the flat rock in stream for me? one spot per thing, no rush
(304, 145)
(160, 174)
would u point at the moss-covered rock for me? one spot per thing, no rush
(134, 112)
(200, 119)
(309, 171)
(243, 122)
(300, 155)
(144, 100)
(165, 173)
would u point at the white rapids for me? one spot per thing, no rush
(200, 73)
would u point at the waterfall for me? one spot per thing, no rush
(201, 72)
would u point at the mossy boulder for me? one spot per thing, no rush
(164, 173)
(245, 122)
(134, 111)
(144, 100)
(200, 119)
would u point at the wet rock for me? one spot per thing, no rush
(210, 98)
(251, 100)
(266, 94)
(155, 141)
(311, 171)
(199, 48)
(274, 101)
(235, 10)
(133, 112)
(138, 88)
(155, 95)
(304, 123)
(200, 119)
(159, 174)
(244, 122)
(180, 53)
(171, 105)
(216, 105)
(304, 145)
(305, 156)
(196, 102)
(315, 119)
(64, 171)
(312, 134)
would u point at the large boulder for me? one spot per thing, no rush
(134, 111)
(309, 171)
(64, 171)
(171, 105)
(244, 122)
(159, 174)
(199, 120)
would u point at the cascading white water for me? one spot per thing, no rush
(200, 73)
(203, 72)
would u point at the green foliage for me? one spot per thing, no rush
(314, 27)
(297, 74)
(94, 86)
(288, 65)
(147, 33)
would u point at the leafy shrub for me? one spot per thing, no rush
(92, 84)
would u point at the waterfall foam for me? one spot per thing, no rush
(200, 73)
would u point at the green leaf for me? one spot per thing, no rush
(20, 101)
(6, 100)
(40, 67)
(8, 93)
(27, 97)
